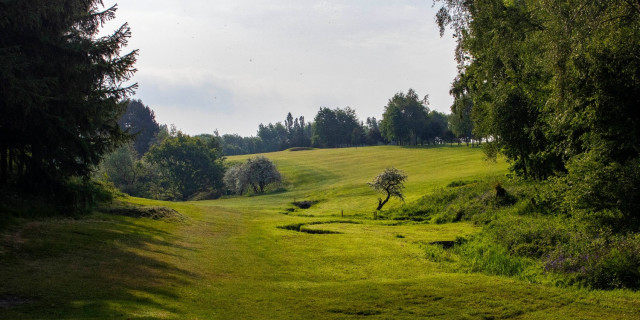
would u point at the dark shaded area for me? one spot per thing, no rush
(8, 301)
(354, 312)
(300, 227)
(151, 212)
(88, 268)
(301, 149)
(444, 244)
(304, 204)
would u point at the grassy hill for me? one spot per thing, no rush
(243, 258)
(337, 178)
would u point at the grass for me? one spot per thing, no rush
(229, 259)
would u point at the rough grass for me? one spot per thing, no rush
(230, 260)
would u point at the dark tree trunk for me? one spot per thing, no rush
(382, 203)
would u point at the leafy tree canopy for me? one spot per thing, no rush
(190, 164)
(404, 118)
(140, 121)
(555, 86)
(257, 173)
(390, 183)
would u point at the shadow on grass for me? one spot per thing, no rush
(92, 268)
(301, 227)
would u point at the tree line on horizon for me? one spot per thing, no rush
(406, 120)
(161, 162)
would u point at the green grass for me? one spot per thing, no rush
(229, 259)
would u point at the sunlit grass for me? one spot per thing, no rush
(229, 259)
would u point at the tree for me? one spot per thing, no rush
(257, 173)
(235, 179)
(372, 131)
(390, 183)
(261, 172)
(555, 86)
(325, 128)
(62, 88)
(404, 118)
(435, 127)
(131, 175)
(334, 128)
(190, 164)
(140, 121)
(269, 136)
(120, 167)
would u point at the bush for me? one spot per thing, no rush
(529, 236)
(600, 261)
(481, 255)
(601, 193)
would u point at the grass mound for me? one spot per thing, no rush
(152, 212)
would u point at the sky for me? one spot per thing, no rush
(230, 65)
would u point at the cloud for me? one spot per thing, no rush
(234, 64)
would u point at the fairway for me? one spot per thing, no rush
(248, 257)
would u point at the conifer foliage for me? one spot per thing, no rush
(61, 90)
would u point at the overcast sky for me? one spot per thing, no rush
(231, 65)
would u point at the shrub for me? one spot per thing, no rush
(480, 255)
(602, 261)
(529, 236)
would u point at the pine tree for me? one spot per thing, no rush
(62, 89)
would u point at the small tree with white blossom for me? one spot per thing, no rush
(390, 183)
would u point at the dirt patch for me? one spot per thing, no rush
(151, 212)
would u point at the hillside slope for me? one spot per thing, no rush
(242, 258)
(338, 177)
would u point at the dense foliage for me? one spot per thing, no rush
(61, 90)
(555, 86)
(333, 128)
(61, 87)
(140, 121)
(523, 238)
(190, 165)
(407, 120)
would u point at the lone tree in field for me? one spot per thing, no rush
(389, 182)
